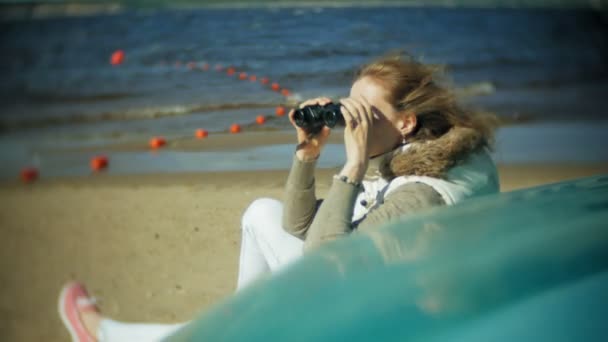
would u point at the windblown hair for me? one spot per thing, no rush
(445, 133)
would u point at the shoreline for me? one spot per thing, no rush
(215, 142)
(512, 177)
(550, 145)
(257, 136)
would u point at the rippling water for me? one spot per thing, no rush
(57, 82)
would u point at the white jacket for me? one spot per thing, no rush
(475, 177)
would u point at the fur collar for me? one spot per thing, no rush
(432, 158)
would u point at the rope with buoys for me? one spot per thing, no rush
(101, 163)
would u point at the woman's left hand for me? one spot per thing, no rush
(358, 117)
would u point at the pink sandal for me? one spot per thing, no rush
(74, 298)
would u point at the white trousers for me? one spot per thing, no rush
(265, 247)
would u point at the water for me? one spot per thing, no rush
(58, 87)
(538, 143)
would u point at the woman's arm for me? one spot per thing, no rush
(406, 200)
(300, 199)
(333, 219)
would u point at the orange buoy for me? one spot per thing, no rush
(253, 78)
(191, 65)
(285, 92)
(205, 66)
(264, 80)
(157, 142)
(235, 128)
(117, 57)
(243, 76)
(260, 119)
(275, 86)
(99, 163)
(104, 161)
(201, 133)
(218, 67)
(280, 111)
(230, 71)
(29, 174)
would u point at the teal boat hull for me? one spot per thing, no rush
(527, 265)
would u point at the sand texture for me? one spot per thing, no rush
(151, 248)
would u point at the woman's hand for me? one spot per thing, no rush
(310, 146)
(358, 117)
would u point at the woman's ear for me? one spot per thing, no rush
(407, 124)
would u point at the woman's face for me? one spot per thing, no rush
(385, 134)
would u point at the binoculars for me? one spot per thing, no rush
(313, 118)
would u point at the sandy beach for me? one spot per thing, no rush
(156, 247)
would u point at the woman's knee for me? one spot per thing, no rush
(262, 210)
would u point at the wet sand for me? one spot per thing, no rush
(156, 247)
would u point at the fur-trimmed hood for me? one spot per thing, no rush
(433, 158)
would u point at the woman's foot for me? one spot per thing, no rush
(79, 313)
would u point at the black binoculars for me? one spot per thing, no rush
(313, 118)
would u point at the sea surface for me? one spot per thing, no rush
(546, 69)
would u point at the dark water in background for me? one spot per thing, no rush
(542, 64)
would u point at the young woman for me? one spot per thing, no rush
(409, 147)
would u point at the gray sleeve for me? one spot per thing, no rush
(334, 217)
(300, 202)
(407, 199)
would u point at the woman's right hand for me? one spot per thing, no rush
(310, 146)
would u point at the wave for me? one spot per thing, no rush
(333, 51)
(50, 97)
(498, 61)
(476, 89)
(332, 76)
(592, 77)
(127, 115)
(156, 112)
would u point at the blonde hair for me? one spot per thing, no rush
(415, 88)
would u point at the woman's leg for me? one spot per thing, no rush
(265, 247)
(114, 331)
(85, 323)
